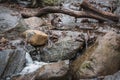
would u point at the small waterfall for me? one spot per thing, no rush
(31, 65)
(28, 59)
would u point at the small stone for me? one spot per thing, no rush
(3, 40)
(35, 37)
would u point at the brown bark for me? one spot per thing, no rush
(77, 14)
(87, 6)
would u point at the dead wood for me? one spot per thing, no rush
(90, 12)
(77, 14)
(88, 7)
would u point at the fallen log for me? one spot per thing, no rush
(87, 6)
(77, 14)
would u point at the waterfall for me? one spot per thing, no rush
(28, 59)
(31, 65)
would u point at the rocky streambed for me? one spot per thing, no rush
(33, 49)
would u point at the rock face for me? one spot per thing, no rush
(52, 71)
(62, 45)
(11, 62)
(35, 37)
(103, 58)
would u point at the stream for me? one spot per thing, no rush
(60, 56)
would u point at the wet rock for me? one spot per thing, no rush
(52, 71)
(11, 62)
(11, 22)
(35, 37)
(34, 22)
(98, 59)
(62, 45)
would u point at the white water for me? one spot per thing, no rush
(28, 59)
(31, 65)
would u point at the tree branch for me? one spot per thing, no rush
(77, 14)
(90, 12)
(87, 6)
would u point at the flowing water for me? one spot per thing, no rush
(31, 65)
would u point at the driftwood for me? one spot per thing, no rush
(90, 12)
(87, 6)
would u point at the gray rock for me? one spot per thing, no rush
(62, 45)
(11, 22)
(11, 62)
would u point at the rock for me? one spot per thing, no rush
(17, 43)
(11, 22)
(115, 76)
(34, 22)
(117, 11)
(52, 71)
(11, 62)
(3, 40)
(62, 45)
(35, 37)
(101, 59)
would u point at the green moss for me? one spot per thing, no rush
(50, 2)
(86, 65)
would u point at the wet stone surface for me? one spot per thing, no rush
(8, 19)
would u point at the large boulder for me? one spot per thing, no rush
(102, 58)
(62, 45)
(35, 37)
(11, 62)
(11, 22)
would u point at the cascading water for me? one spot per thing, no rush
(31, 65)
